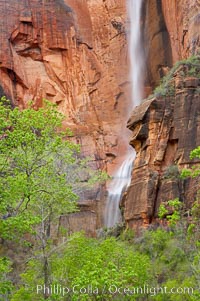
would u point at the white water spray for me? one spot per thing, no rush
(119, 183)
(122, 178)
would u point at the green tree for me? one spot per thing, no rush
(33, 169)
(171, 210)
(195, 170)
(5, 283)
(40, 168)
(91, 269)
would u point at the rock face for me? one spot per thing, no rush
(182, 19)
(165, 130)
(157, 44)
(73, 53)
(171, 33)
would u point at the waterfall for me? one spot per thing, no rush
(122, 178)
(119, 183)
(135, 51)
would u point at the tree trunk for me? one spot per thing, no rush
(46, 279)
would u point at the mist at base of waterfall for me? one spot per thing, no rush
(122, 178)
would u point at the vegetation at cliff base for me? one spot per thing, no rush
(88, 269)
(40, 170)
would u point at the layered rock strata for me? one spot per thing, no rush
(165, 130)
(182, 19)
(171, 33)
(73, 53)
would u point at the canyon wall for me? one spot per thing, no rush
(182, 19)
(74, 53)
(165, 128)
(171, 33)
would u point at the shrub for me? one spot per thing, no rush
(171, 172)
(191, 67)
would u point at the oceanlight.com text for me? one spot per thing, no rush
(57, 289)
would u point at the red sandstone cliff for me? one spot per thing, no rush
(182, 19)
(171, 33)
(74, 53)
(165, 129)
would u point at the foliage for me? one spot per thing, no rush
(127, 235)
(185, 262)
(162, 211)
(165, 89)
(174, 263)
(195, 170)
(40, 170)
(114, 231)
(171, 172)
(171, 210)
(189, 67)
(33, 168)
(5, 283)
(98, 265)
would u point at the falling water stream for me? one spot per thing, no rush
(122, 178)
(135, 51)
